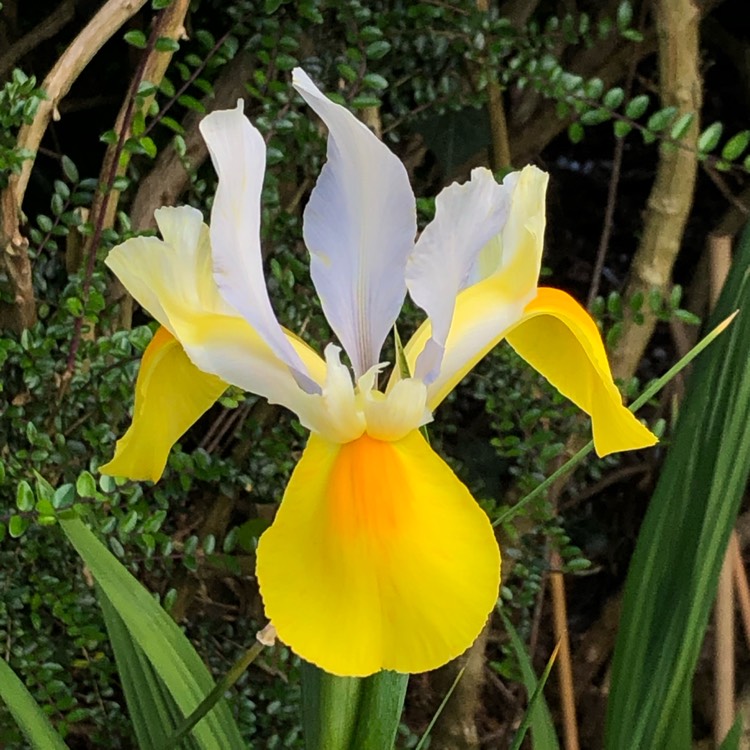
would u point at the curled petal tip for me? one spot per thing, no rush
(299, 76)
(616, 429)
(559, 339)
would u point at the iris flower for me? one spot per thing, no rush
(378, 557)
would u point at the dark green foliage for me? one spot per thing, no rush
(19, 98)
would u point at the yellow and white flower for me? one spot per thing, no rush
(378, 558)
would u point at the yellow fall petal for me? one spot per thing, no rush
(378, 558)
(558, 338)
(171, 393)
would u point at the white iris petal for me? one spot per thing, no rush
(359, 227)
(484, 311)
(490, 258)
(238, 153)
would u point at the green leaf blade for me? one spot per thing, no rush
(540, 720)
(31, 720)
(673, 574)
(167, 649)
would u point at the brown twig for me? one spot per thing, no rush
(614, 181)
(724, 683)
(21, 313)
(720, 253)
(741, 584)
(608, 224)
(736, 202)
(564, 664)
(232, 421)
(500, 147)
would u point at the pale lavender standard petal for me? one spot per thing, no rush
(467, 217)
(238, 153)
(359, 226)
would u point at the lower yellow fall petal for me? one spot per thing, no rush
(378, 558)
(171, 393)
(559, 338)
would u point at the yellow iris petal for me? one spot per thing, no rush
(483, 314)
(171, 393)
(379, 558)
(558, 338)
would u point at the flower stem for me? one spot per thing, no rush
(647, 394)
(226, 682)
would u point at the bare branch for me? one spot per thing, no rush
(171, 24)
(500, 148)
(672, 193)
(61, 16)
(76, 57)
(21, 313)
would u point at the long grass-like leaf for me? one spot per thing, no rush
(673, 574)
(227, 681)
(734, 735)
(536, 696)
(543, 732)
(31, 720)
(152, 709)
(173, 658)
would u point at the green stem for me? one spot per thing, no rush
(227, 681)
(535, 697)
(351, 713)
(442, 705)
(647, 394)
